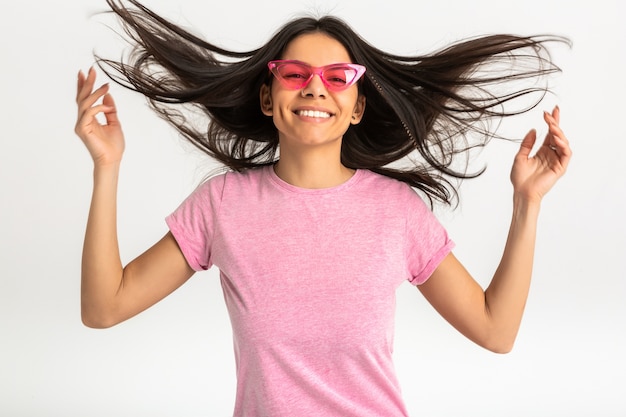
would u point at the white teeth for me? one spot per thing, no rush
(314, 113)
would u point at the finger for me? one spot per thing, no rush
(556, 114)
(527, 144)
(554, 130)
(562, 147)
(551, 120)
(110, 110)
(79, 84)
(84, 85)
(557, 134)
(556, 139)
(91, 99)
(89, 116)
(89, 123)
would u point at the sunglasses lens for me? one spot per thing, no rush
(293, 75)
(339, 77)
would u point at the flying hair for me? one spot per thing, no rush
(424, 113)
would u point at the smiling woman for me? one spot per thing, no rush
(312, 113)
(312, 241)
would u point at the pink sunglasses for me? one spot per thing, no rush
(295, 75)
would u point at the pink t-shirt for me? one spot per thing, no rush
(309, 278)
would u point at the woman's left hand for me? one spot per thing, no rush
(534, 176)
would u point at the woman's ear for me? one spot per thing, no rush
(359, 109)
(265, 95)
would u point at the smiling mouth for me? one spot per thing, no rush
(313, 113)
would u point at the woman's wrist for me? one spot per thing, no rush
(525, 206)
(106, 175)
(106, 167)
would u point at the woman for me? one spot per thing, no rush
(311, 229)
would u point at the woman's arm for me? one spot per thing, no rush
(491, 318)
(111, 293)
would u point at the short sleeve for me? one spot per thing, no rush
(427, 241)
(193, 223)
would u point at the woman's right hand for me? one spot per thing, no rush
(104, 141)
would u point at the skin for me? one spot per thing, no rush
(310, 158)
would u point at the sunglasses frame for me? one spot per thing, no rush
(274, 65)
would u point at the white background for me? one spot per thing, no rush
(176, 358)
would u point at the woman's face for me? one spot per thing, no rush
(313, 115)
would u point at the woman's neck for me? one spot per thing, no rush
(312, 169)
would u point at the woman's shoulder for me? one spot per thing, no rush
(385, 184)
(237, 184)
(226, 177)
(392, 191)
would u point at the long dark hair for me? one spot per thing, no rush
(426, 110)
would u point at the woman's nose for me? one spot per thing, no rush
(315, 88)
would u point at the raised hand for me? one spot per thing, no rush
(533, 176)
(104, 141)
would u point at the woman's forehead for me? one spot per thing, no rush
(316, 49)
